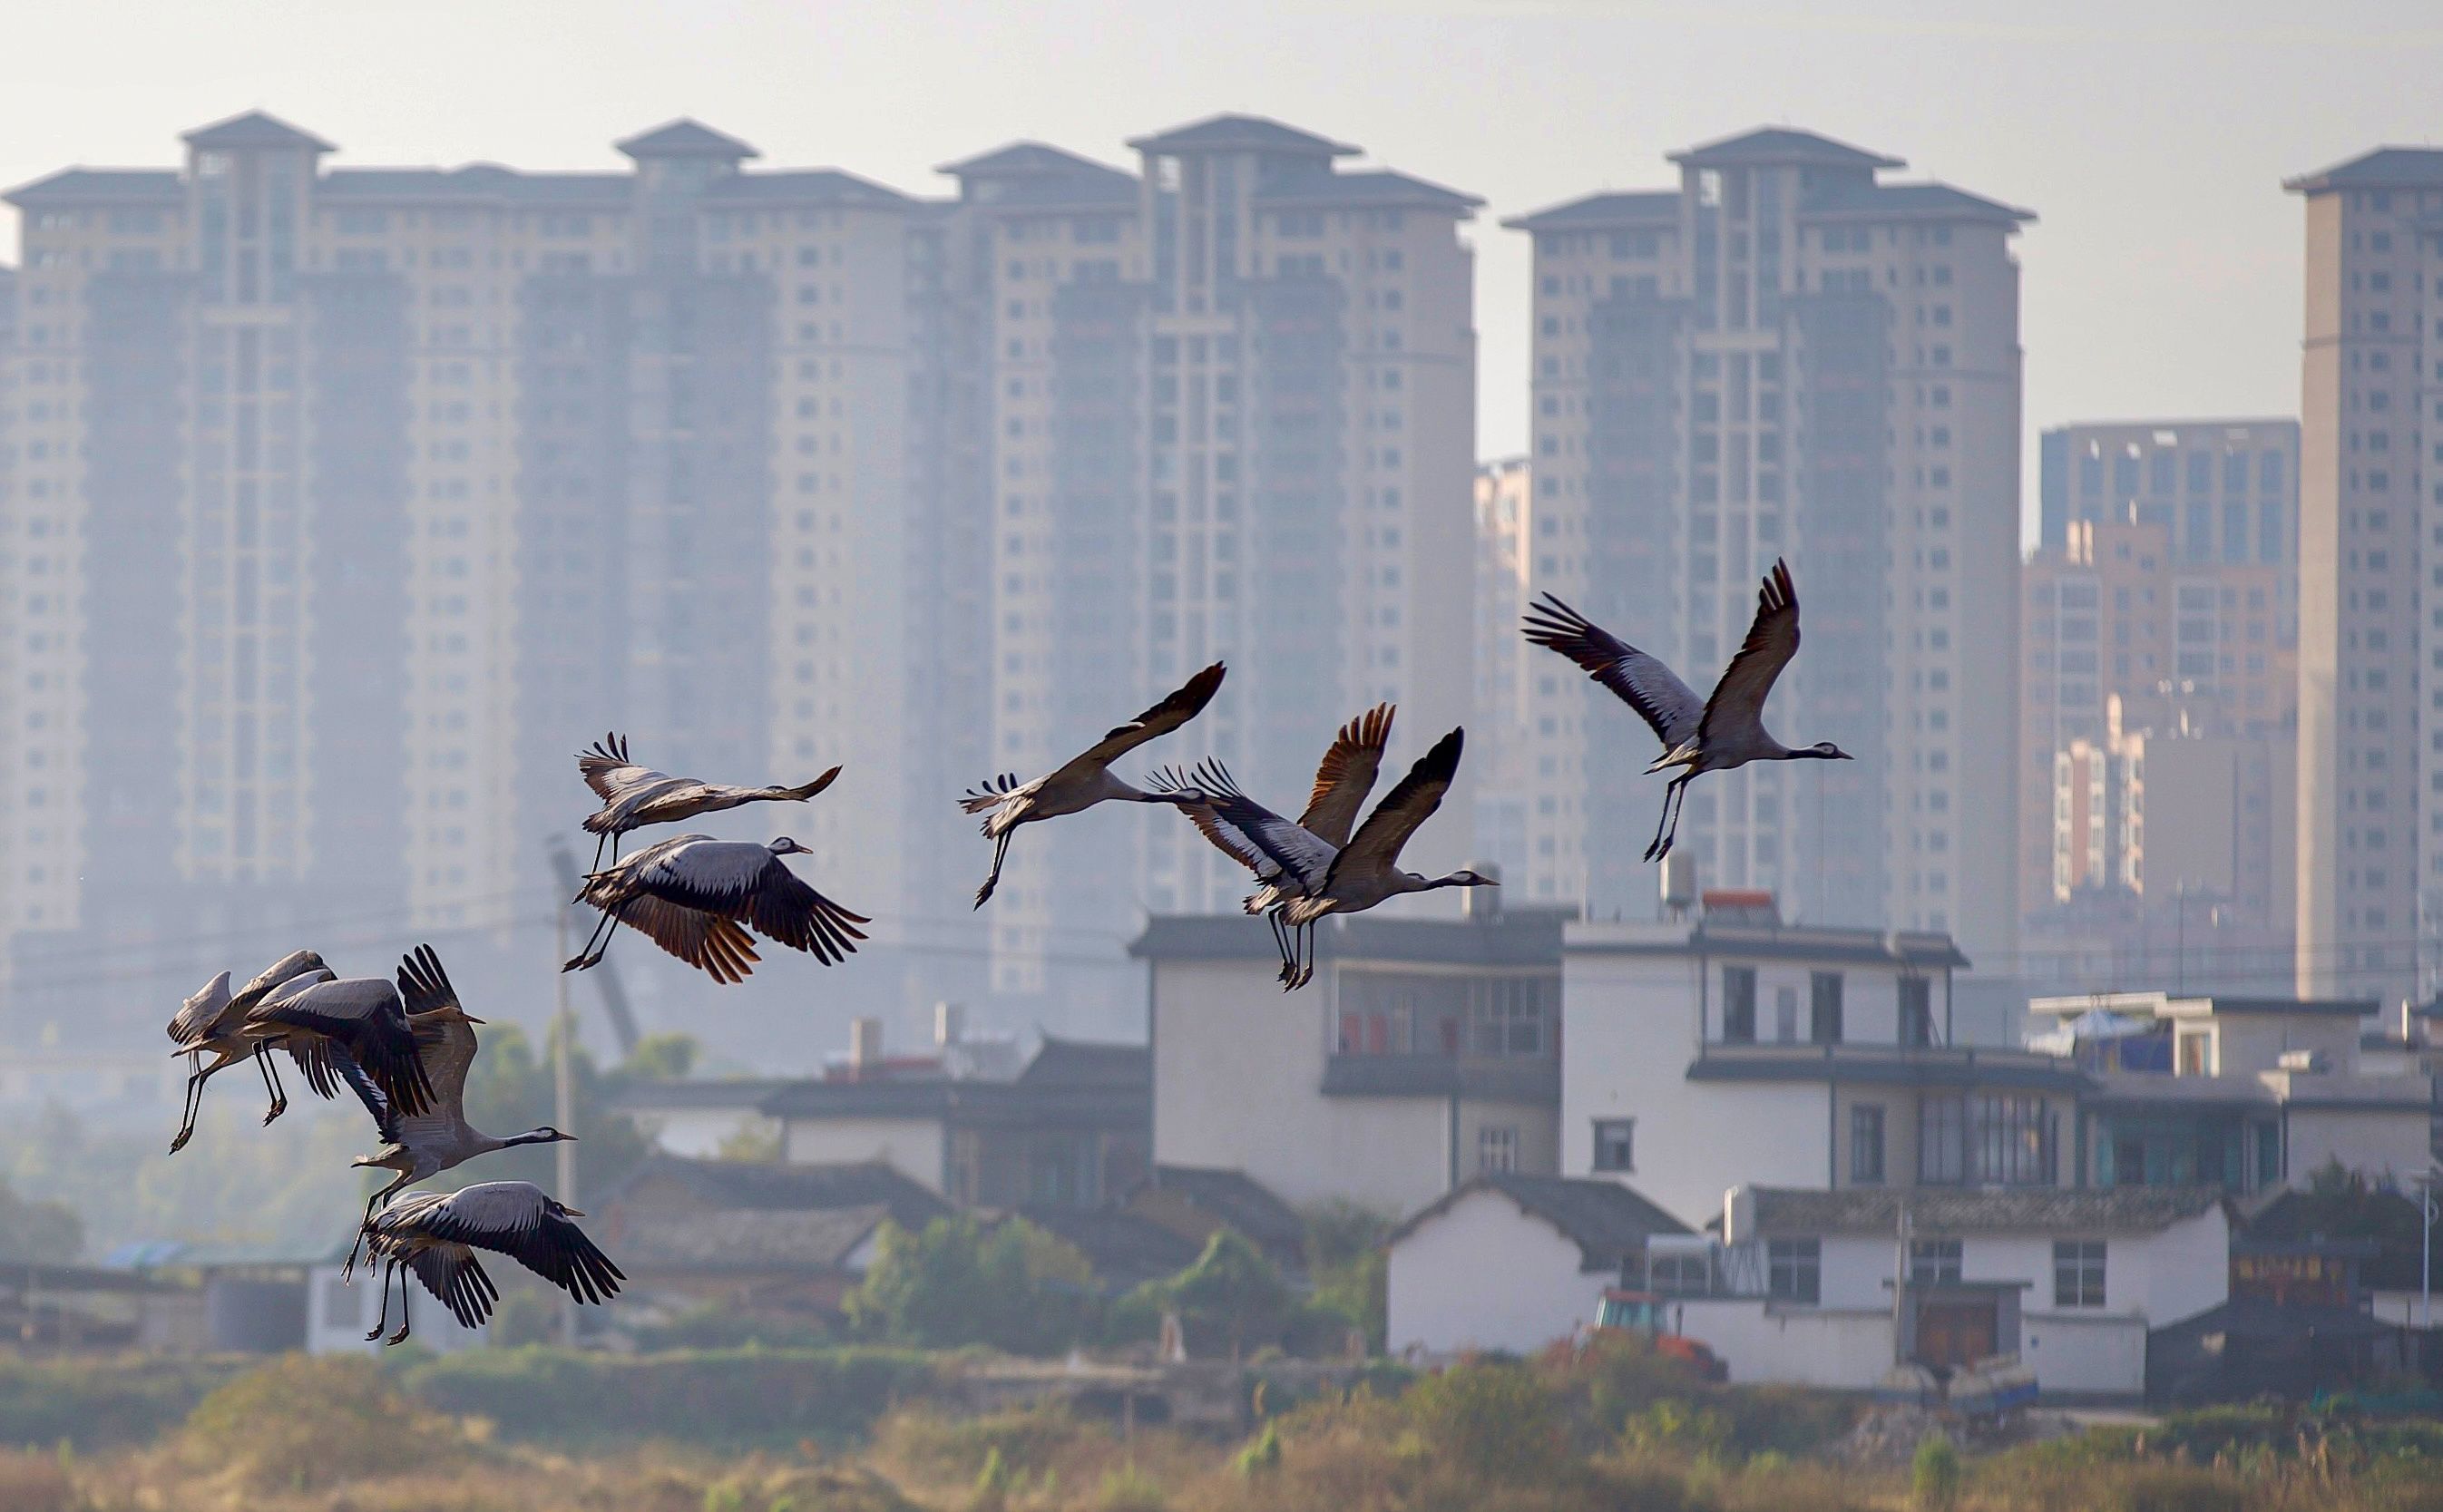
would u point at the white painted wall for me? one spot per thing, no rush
(338, 1316)
(1760, 1341)
(1485, 1275)
(1237, 1073)
(698, 1134)
(914, 1147)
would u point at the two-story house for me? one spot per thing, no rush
(1425, 1053)
(1733, 1048)
(2243, 1093)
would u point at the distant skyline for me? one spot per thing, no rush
(2162, 277)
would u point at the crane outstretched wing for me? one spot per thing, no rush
(606, 769)
(448, 1049)
(1667, 706)
(1347, 774)
(1773, 639)
(1161, 719)
(1378, 841)
(1263, 842)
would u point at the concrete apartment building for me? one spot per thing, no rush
(407, 481)
(1232, 417)
(1505, 573)
(2158, 708)
(2370, 853)
(1789, 356)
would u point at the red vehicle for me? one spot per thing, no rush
(1645, 1312)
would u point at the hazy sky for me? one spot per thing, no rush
(2162, 278)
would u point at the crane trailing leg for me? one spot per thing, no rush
(1667, 830)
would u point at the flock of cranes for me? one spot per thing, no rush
(403, 1045)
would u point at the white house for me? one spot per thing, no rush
(1833, 1288)
(2247, 1093)
(1513, 1263)
(1425, 1053)
(1739, 1049)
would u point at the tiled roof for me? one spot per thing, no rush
(1604, 1219)
(101, 186)
(1375, 187)
(773, 1186)
(475, 181)
(743, 1239)
(1030, 160)
(1125, 1249)
(1239, 133)
(1913, 201)
(810, 185)
(1061, 1063)
(253, 129)
(2384, 167)
(1780, 144)
(1658, 206)
(684, 138)
(1790, 1212)
(1239, 1200)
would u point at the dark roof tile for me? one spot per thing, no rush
(1239, 133)
(1596, 212)
(101, 186)
(253, 129)
(1607, 1220)
(685, 137)
(1781, 144)
(2384, 167)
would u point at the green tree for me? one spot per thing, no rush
(39, 1232)
(2338, 1203)
(1231, 1292)
(509, 1089)
(1351, 1271)
(666, 1057)
(1010, 1286)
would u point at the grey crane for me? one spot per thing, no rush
(1213, 801)
(1713, 734)
(1087, 779)
(208, 1022)
(634, 796)
(695, 896)
(350, 1021)
(435, 1234)
(420, 1145)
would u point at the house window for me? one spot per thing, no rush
(1615, 1144)
(2078, 1273)
(1916, 1010)
(1933, 1262)
(1794, 1270)
(1867, 1144)
(1986, 1140)
(1738, 1004)
(2269, 1154)
(1496, 1148)
(1680, 1274)
(1824, 1013)
(1785, 1015)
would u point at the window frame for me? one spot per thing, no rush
(1795, 1270)
(2081, 1272)
(1627, 1131)
(1862, 1117)
(1825, 1007)
(1738, 1006)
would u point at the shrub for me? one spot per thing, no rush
(1934, 1474)
(1262, 1455)
(1129, 1489)
(95, 1404)
(306, 1424)
(739, 1398)
(1492, 1418)
(1011, 1287)
(35, 1483)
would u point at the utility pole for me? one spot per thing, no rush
(563, 1096)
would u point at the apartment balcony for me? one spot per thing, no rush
(1937, 1065)
(1475, 1078)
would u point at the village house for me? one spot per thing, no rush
(1425, 1052)
(1513, 1262)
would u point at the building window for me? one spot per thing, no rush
(2078, 1273)
(1867, 1144)
(1785, 1015)
(1738, 1004)
(1496, 1148)
(1933, 1262)
(1916, 1010)
(1679, 1273)
(1986, 1140)
(1615, 1144)
(1795, 1270)
(2269, 1154)
(1824, 1012)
